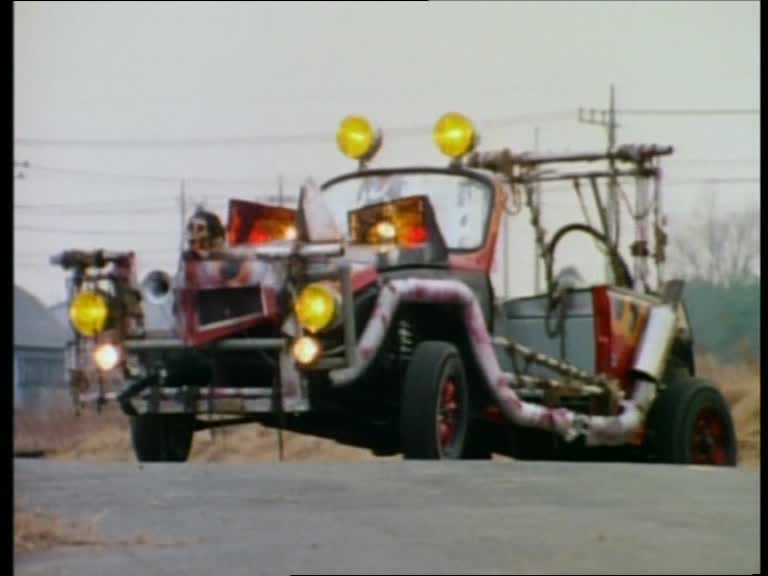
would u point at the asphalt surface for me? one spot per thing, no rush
(399, 517)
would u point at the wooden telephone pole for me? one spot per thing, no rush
(607, 119)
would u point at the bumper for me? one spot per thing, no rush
(146, 394)
(287, 390)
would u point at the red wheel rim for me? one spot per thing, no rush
(710, 440)
(448, 414)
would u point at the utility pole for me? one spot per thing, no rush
(182, 213)
(280, 190)
(537, 201)
(504, 267)
(607, 119)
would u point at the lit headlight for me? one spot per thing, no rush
(305, 350)
(89, 313)
(106, 357)
(316, 307)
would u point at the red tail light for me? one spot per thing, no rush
(415, 235)
(253, 223)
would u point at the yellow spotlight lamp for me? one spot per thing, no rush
(316, 307)
(455, 135)
(357, 138)
(305, 350)
(106, 357)
(89, 312)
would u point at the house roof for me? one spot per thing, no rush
(34, 326)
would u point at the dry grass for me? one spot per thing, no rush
(57, 429)
(104, 437)
(36, 531)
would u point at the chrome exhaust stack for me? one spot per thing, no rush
(655, 344)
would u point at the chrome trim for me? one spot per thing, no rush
(230, 344)
(655, 344)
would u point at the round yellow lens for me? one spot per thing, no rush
(89, 313)
(357, 138)
(106, 357)
(454, 135)
(305, 350)
(316, 307)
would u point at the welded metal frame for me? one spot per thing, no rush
(526, 169)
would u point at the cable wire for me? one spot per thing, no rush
(270, 139)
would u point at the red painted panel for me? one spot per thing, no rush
(363, 278)
(602, 308)
(619, 322)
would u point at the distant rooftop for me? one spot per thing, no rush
(34, 326)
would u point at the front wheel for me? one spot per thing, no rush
(689, 423)
(162, 438)
(434, 415)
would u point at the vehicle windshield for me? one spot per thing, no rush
(461, 203)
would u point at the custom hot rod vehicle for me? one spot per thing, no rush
(367, 314)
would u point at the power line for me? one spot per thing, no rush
(725, 180)
(269, 139)
(109, 232)
(743, 160)
(147, 177)
(690, 111)
(85, 209)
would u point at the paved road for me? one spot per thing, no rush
(400, 517)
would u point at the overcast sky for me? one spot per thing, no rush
(222, 85)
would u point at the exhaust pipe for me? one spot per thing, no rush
(655, 344)
(157, 286)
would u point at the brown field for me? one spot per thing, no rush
(741, 387)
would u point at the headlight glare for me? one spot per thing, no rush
(106, 356)
(305, 350)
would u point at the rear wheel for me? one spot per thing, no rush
(162, 437)
(690, 423)
(435, 412)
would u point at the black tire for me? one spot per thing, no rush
(479, 442)
(690, 423)
(162, 438)
(433, 367)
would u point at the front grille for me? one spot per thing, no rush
(222, 304)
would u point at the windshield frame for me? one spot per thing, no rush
(482, 178)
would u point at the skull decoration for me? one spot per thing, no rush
(205, 233)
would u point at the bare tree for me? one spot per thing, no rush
(716, 246)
